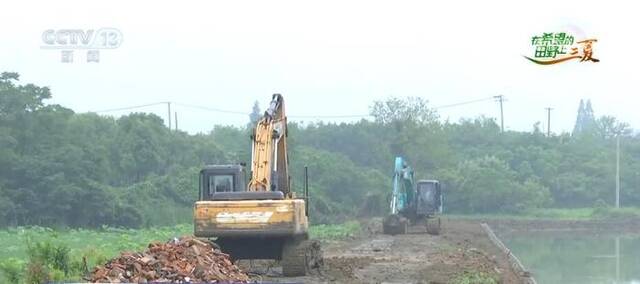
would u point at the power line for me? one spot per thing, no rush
(205, 108)
(292, 116)
(329, 116)
(464, 103)
(211, 109)
(129, 107)
(368, 115)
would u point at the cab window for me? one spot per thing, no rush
(221, 183)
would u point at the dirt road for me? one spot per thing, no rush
(462, 249)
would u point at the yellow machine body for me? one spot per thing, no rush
(244, 218)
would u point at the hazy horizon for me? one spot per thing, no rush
(329, 59)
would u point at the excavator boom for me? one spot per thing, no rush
(269, 161)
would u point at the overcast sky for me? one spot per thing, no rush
(330, 57)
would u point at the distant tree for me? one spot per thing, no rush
(407, 110)
(405, 121)
(57, 166)
(487, 184)
(254, 116)
(537, 128)
(586, 121)
(609, 127)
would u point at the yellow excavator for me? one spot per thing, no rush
(264, 219)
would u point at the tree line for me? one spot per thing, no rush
(61, 168)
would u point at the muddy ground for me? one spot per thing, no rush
(417, 257)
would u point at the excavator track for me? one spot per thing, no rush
(299, 257)
(433, 226)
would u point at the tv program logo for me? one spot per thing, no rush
(70, 40)
(554, 48)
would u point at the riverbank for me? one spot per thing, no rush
(624, 220)
(506, 226)
(602, 213)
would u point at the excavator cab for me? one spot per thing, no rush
(429, 204)
(221, 178)
(228, 182)
(429, 201)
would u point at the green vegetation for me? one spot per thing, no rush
(337, 231)
(616, 213)
(560, 214)
(36, 254)
(475, 277)
(64, 169)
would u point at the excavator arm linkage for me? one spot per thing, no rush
(270, 165)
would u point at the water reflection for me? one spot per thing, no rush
(578, 256)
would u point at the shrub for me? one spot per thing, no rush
(12, 270)
(474, 277)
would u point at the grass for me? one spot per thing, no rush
(331, 232)
(560, 214)
(475, 277)
(29, 251)
(616, 213)
(106, 241)
(58, 250)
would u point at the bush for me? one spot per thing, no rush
(37, 272)
(47, 261)
(12, 270)
(474, 277)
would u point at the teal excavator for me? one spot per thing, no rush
(412, 203)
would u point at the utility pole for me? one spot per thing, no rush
(548, 121)
(500, 99)
(618, 171)
(169, 114)
(176, 120)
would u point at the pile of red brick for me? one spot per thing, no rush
(183, 260)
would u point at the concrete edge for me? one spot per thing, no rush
(513, 260)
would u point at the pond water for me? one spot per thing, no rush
(578, 256)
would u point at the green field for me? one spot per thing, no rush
(560, 214)
(21, 245)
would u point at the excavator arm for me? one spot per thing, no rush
(269, 161)
(402, 197)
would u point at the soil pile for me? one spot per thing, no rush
(179, 260)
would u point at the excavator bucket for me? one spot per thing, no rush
(395, 224)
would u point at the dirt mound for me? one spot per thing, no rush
(185, 259)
